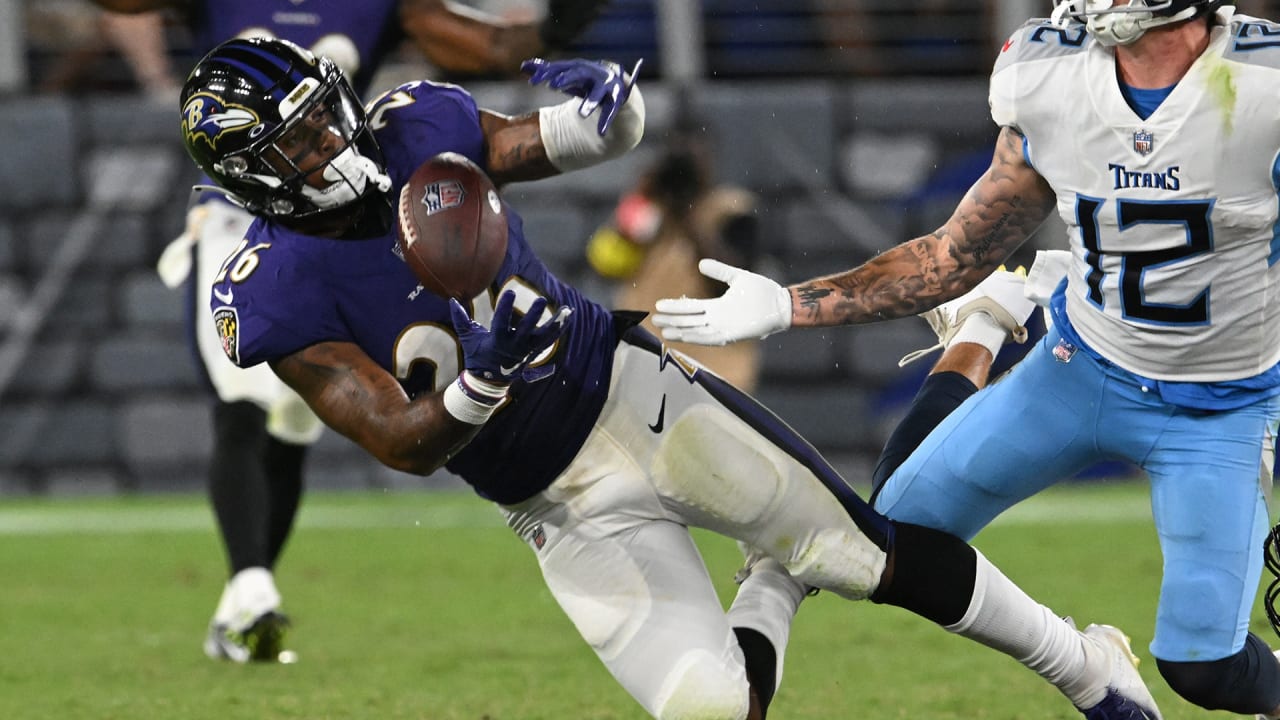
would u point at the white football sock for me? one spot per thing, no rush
(253, 594)
(1003, 617)
(222, 615)
(982, 329)
(767, 602)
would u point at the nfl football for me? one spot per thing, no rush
(453, 227)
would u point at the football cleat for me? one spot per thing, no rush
(261, 641)
(1127, 695)
(1000, 296)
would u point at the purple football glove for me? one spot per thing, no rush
(600, 83)
(502, 353)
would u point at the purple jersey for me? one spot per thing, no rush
(356, 35)
(283, 291)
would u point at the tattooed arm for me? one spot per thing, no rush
(998, 213)
(355, 396)
(515, 151)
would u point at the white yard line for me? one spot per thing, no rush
(55, 520)
(419, 512)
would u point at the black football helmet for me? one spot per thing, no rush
(1125, 23)
(281, 132)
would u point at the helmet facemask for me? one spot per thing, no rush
(1124, 24)
(312, 162)
(281, 132)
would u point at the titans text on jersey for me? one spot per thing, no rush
(1173, 217)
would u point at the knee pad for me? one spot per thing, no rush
(702, 685)
(1246, 683)
(705, 445)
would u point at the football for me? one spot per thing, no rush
(453, 227)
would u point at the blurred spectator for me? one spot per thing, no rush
(140, 39)
(77, 47)
(916, 37)
(651, 246)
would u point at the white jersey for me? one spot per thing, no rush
(1173, 219)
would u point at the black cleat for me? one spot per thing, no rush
(262, 641)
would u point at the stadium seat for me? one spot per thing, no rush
(770, 137)
(829, 415)
(43, 174)
(952, 108)
(558, 235)
(130, 119)
(80, 480)
(802, 355)
(123, 242)
(51, 367)
(72, 433)
(133, 362)
(8, 247)
(145, 303)
(165, 429)
(873, 350)
(827, 234)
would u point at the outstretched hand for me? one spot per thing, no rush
(753, 307)
(502, 352)
(600, 84)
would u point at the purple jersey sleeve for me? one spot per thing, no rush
(419, 120)
(272, 301)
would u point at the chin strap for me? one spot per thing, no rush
(347, 173)
(1120, 25)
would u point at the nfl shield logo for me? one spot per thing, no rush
(1143, 142)
(443, 195)
(1064, 351)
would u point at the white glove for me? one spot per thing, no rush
(753, 307)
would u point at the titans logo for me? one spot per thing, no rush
(207, 117)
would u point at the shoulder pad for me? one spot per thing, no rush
(1040, 38)
(1253, 41)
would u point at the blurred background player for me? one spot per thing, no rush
(674, 215)
(261, 428)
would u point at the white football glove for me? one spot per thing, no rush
(753, 307)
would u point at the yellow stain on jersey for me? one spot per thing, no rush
(1221, 84)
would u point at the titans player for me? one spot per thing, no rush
(1148, 127)
(261, 427)
(599, 447)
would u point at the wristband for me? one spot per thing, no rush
(473, 400)
(572, 142)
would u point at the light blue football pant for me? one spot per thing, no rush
(1047, 420)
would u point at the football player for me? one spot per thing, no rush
(1147, 126)
(598, 446)
(261, 427)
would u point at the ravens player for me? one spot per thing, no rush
(1147, 126)
(261, 428)
(599, 447)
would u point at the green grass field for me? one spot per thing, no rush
(424, 606)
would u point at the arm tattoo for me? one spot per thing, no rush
(998, 213)
(515, 151)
